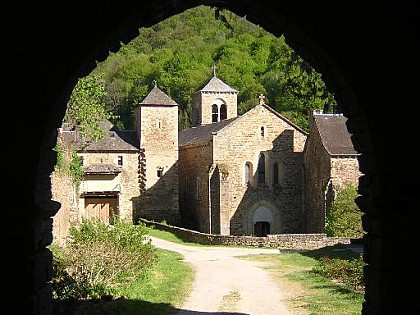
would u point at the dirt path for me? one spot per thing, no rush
(225, 284)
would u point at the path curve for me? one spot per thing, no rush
(225, 284)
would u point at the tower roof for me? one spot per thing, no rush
(217, 85)
(157, 97)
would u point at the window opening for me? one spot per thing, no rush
(261, 169)
(223, 112)
(120, 160)
(215, 113)
(262, 132)
(248, 173)
(276, 173)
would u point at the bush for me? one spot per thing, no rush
(344, 219)
(347, 272)
(98, 257)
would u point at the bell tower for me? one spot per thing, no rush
(157, 127)
(215, 102)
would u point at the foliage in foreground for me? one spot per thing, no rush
(98, 257)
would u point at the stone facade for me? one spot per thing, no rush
(122, 185)
(157, 127)
(330, 165)
(242, 172)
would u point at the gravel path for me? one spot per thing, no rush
(225, 284)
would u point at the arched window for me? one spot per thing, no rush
(275, 173)
(261, 169)
(248, 173)
(214, 113)
(262, 132)
(223, 112)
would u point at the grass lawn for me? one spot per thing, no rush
(311, 292)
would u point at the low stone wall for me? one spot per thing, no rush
(284, 241)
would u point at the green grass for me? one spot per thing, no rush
(168, 236)
(164, 290)
(160, 293)
(317, 294)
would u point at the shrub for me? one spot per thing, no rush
(345, 218)
(347, 272)
(99, 256)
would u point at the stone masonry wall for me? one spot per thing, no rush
(194, 164)
(317, 174)
(241, 142)
(344, 171)
(63, 192)
(158, 130)
(125, 183)
(281, 241)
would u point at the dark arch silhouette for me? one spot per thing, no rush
(367, 57)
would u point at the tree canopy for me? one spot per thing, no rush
(86, 108)
(179, 53)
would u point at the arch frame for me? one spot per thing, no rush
(351, 64)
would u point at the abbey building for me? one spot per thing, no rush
(253, 174)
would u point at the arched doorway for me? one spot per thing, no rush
(262, 219)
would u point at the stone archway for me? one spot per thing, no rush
(48, 48)
(262, 218)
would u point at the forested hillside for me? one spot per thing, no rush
(179, 53)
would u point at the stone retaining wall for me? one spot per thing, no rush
(285, 241)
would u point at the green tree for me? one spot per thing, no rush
(86, 107)
(345, 218)
(179, 52)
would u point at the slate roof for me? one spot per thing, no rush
(157, 97)
(114, 140)
(217, 85)
(334, 134)
(103, 168)
(201, 133)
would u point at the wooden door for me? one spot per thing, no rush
(103, 208)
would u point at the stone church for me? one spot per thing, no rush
(252, 174)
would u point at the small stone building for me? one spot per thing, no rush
(132, 173)
(111, 185)
(330, 165)
(240, 175)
